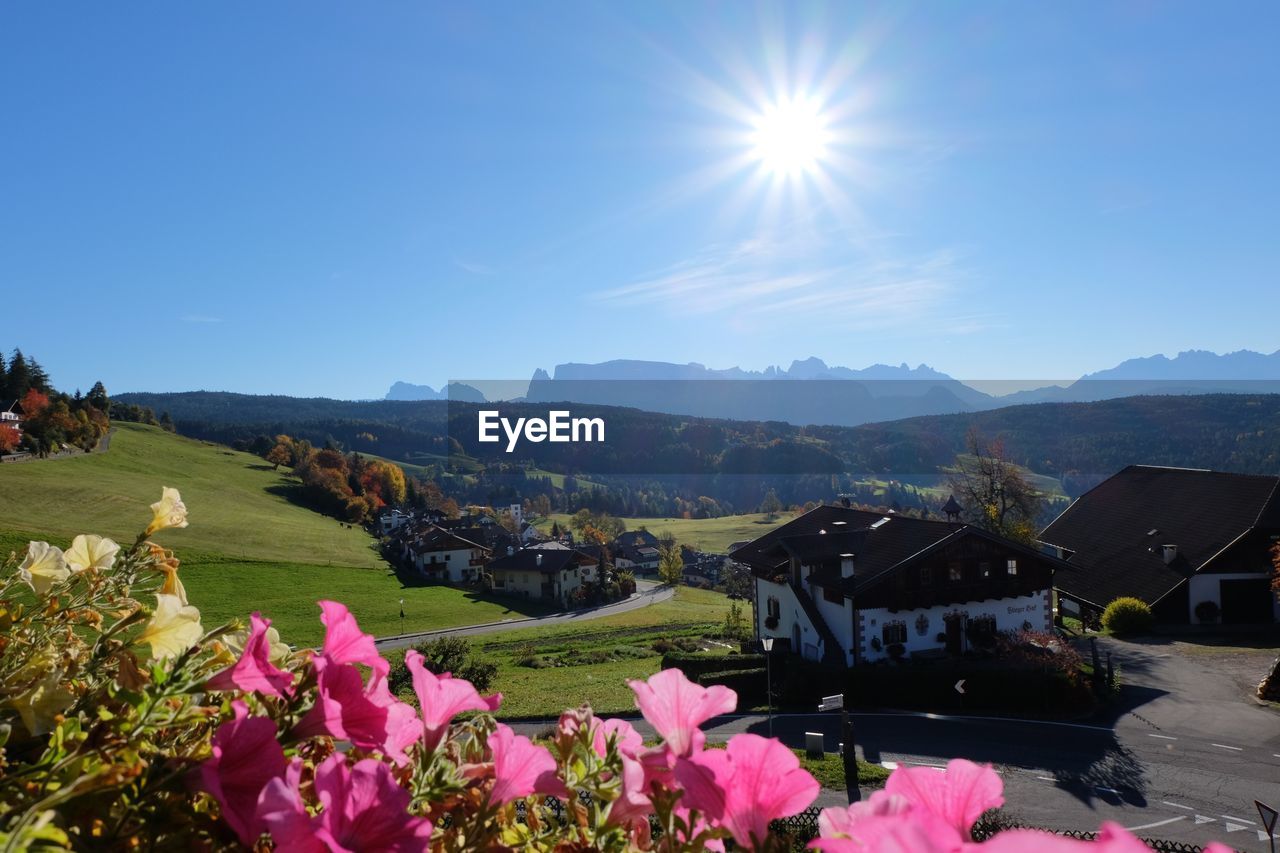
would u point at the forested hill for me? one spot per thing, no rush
(1074, 441)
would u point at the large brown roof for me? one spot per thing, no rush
(1116, 531)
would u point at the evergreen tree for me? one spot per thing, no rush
(166, 422)
(19, 379)
(39, 378)
(98, 398)
(4, 378)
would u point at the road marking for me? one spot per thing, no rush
(1202, 819)
(1047, 779)
(1275, 755)
(1262, 836)
(927, 764)
(1162, 737)
(1238, 819)
(889, 765)
(1177, 805)
(1107, 791)
(1224, 746)
(1157, 823)
(1234, 827)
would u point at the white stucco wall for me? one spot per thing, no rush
(1205, 588)
(839, 618)
(1009, 613)
(458, 563)
(790, 613)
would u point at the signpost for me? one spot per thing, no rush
(1268, 816)
(848, 754)
(766, 643)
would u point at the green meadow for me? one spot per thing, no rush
(709, 534)
(248, 547)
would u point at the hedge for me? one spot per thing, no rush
(1044, 691)
(693, 665)
(749, 684)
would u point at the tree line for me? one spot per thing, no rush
(51, 419)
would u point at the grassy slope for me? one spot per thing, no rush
(710, 534)
(248, 548)
(546, 692)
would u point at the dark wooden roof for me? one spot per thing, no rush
(1115, 532)
(553, 560)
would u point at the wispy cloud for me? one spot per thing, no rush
(473, 268)
(813, 278)
(199, 318)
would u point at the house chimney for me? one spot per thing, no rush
(846, 565)
(1170, 553)
(538, 559)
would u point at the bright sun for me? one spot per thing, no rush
(790, 137)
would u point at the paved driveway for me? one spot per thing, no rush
(647, 592)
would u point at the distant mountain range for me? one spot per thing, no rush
(845, 396)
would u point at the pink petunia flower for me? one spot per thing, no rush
(521, 768)
(246, 757)
(363, 809)
(344, 642)
(959, 795)
(254, 672)
(370, 717)
(630, 743)
(676, 707)
(907, 832)
(840, 821)
(745, 786)
(442, 697)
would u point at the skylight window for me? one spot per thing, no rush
(881, 523)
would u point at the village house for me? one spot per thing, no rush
(11, 414)
(443, 555)
(393, 519)
(848, 586)
(636, 550)
(549, 572)
(1194, 544)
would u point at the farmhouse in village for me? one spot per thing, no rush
(551, 573)
(1193, 544)
(848, 586)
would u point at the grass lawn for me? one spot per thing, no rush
(709, 534)
(248, 547)
(545, 692)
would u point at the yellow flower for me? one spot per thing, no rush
(172, 584)
(174, 627)
(43, 567)
(167, 512)
(45, 697)
(277, 651)
(91, 552)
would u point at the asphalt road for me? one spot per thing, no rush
(1182, 757)
(647, 592)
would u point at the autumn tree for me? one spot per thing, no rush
(279, 455)
(996, 495)
(670, 563)
(771, 506)
(10, 438)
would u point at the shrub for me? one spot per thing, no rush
(1128, 616)
(1208, 611)
(446, 654)
(694, 666)
(749, 684)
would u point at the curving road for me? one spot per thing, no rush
(1182, 757)
(647, 592)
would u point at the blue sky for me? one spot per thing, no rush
(322, 198)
